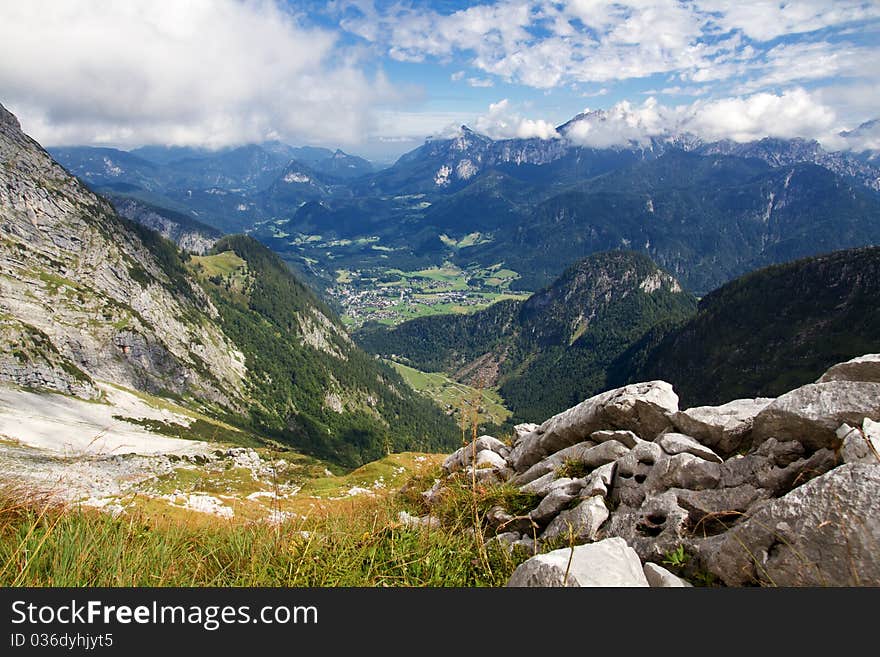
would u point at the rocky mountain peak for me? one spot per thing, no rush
(8, 118)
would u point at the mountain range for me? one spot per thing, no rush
(615, 318)
(89, 298)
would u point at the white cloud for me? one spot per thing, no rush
(767, 19)
(546, 44)
(197, 72)
(502, 122)
(794, 113)
(623, 124)
(480, 82)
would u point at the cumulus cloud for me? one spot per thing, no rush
(623, 124)
(545, 44)
(503, 122)
(794, 113)
(199, 72)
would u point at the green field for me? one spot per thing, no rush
(391, 296)
(222, 264)
(452, 396)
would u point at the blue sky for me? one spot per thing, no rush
(376, 77)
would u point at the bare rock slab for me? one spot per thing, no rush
(640, 407)
(864, 368)
(723, 428)
(610, 562)
(824, 533)
(812, 414)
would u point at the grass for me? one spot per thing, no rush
(222, 264)
(358, 542)
(448, 393)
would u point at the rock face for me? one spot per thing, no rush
(83, 297)
(723, 428)
(641, 408)
(825, 532)
(811, 414)
(864, 368)
(607, 563)
(797, 505)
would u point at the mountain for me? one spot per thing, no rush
(705, 219)
(88, 298)
(308, 383)
(337, 164)
(108, 166)
(190, 235)
(551, 349)
(768, 331)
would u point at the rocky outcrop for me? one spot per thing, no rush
(825, 532)
(864, 368)
(104, 300)
(811, 414)
(795, 506)
(642, 408)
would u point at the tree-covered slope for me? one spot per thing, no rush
(769, 331)
(309, 385)
(551, 350)
(705, 219)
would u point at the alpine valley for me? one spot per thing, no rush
(672, 342)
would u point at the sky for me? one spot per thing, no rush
(376, 77)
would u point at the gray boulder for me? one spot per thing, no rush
(626, 438)
(713, 511)
(552, 462)
(811, 414)
(462, 457)
(723, 428)
(520, 431)
(860, 445)
(488, 459)
(679, 443)
(659, 577)
(864, 368)
(579, 524)
(414, 521)
(599, 481)
(824, 533)
(554, 502)
(610, 562)
(640, 407)
(656, 527)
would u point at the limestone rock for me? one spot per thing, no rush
(626, 438)
(864, 368)
(554, 502)
(599, 481)
(723, 428)
(579, 524)
(414, 521)
(462, 457)
(610, 562)
(679, 443)
(640, 407)
(860, 445)
(824, 533)
(659, 577)
(811, 414)
(656, 527)
(553, 462)
(488, 458)
(520, 431)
